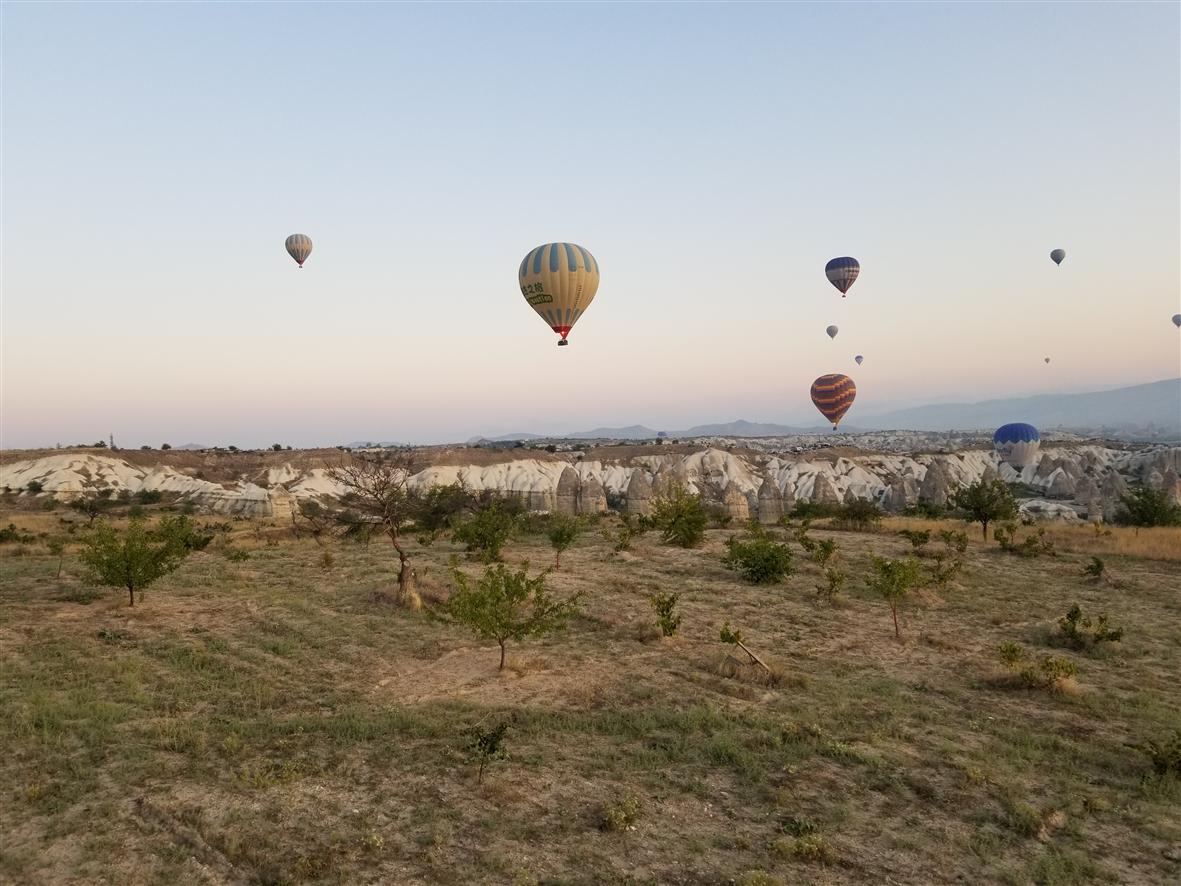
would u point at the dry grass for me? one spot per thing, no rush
(267, 721)
(1156, 543)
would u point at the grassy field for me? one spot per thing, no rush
(269, 720)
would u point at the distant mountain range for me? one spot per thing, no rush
(1156, 404)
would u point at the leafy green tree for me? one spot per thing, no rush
(92, 504)
(485, 531)
(561, 532)
(893, 580)
(132, 558)
(506, 605)
(436, 507)
(985, 501)
(760, 560)
(680, 516)
(486, 745)
(1145, 506)
(666, 612)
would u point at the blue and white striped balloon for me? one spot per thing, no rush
(842, 272)
(1017, 443)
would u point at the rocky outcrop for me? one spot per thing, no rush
(900, 495)
(591, 497)
(734, 504)
(1113, 490)
(770, 502)
(1062, 485)
(936, 486)
(566, 496)
(638, 497)
(823, 492)
(1171, 486)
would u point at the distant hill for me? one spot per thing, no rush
(503, 438)
(1157, 403)
(632, 432)
(742, 428)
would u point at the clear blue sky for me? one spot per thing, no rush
(712, 157)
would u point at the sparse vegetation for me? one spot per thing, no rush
(1034, 545)
(621, 814)
(918, 538)
(1046, 672)
(680, 517)
(505, 605)
(486, 746)
(860, 515)
(1081, 632)
(734, 638)
(667, 616)
(561, 533)
(758, 558)
(485, 531)
(1145, 506)
(984, 502)
(1164, 755)
(1095, 568)
(893, 580)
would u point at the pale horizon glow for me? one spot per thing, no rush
(712, 157)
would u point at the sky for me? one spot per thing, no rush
(713, 158)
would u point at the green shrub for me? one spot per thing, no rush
(918, 538)
(562, 532)
(35, 487)
(1144, 506)
(680, 517)
(929, 510)
(1095, 568)
(436, 507)
(620, 814)
(236, 555)
(984, 502)
(1031, 546)
(1165, 755)
(859, 515)
(824, 551)
(11, 534)
(1079, 632)
(666, 614)
(184, 533)
(834, 580)
(148, 496)
(759, 560)
(1048, 672)
(506, 605)
(893, 580)
(815, 510)
(485, 746)
(485, 532)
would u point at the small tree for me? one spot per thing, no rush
(376, 486)
(985, 501)
(133, 558)
(666, 613)
(735, 638)
(918, 538)
(759, 560)
(562, 532)
(165, 445)
(92, 504)
(893, 580)
(57, 547)
(1145, 506)
(680, 516)
(485, 532)
(506, 605)
(486, 745)
(860, 515)
(277, 447)
(35, 487)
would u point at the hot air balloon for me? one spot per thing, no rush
(832, 331)
(1057, 255)
(1017, 443)
(1047, 359)
(559, 280)
(1177, 319)
(841, 272)
(299, 247)
(833, 395)
(858, 358)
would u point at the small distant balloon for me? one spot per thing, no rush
(1057, 255)
(832, 331)
(299, 247)
(1047, 359)
(858, 358)
(833, 394)
(842, 272)
(1177, 319)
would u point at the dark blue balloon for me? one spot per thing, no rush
(1016, 432)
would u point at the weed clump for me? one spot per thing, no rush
(1164, 755)
(1031, 546)
(666, 615)
(680, 517)
(620, 814)
(1080, 632)
(1048, 672)
(759, 559)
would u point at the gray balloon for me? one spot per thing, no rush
(1057, 255)
(299, 247)
(832, 331)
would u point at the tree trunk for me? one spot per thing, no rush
(131, 594)
(894, 612)
(407, 596)
(60, 560)
(557, 559)
(984, 525)
(502, 649)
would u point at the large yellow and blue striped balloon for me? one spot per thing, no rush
(559, 281)
(833, 394)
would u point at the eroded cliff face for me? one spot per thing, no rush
(1067, 482)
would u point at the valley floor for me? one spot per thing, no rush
(270, 720)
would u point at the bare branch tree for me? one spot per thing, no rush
(376, 486)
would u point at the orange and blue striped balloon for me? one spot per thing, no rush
(833, 394)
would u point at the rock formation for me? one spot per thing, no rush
(734, 504)
(639, 493)
(770, 502)
(936, 486)
(566, 497)
(591, 497)
(1062, 485)
(823, 491)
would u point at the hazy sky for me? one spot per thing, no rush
(713, 158)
